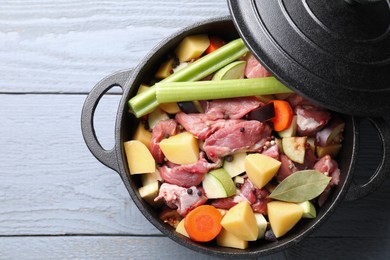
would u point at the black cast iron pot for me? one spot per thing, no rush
(129, 80)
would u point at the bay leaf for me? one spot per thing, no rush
(301, 186)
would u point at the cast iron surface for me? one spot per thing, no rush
(126, 123)
(334, 53)
(107, 157)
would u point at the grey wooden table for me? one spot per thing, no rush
(56, 200)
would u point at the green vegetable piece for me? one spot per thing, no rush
(204, 90)
(301, 186)
(145, 102)
(234, 70)
(309, 211)
(218, 184)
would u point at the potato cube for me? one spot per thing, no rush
(170, 108)
(283, 216)
(291, 130)
(151, 177)
(139, 158)
(165, 69)
(236, 166)
(181, 229)
(192, 47)
(261, 168)
(142, 88)
(149, 192)
(227, 239)
(143, 135)
(241, 222)
(181, 148)
(156, 116)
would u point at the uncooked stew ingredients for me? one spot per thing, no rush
(224, 151)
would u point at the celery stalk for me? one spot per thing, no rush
(145, 102)
(204, 90)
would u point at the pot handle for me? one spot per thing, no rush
(107, 157)
(357, 191)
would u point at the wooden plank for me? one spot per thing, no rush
(340, 248)
(127, 247)
(71, 45)
(60, 188)
(107, 247)
(49, 181)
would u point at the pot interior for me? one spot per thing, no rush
(126, 125)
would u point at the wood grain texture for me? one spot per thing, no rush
(106, 247)
(68, 46)
(341, 249)
(49, 181)
(125, 247)
(56, 200)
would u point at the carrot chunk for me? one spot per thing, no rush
(283, 115)
(215, 43)
(203, 223)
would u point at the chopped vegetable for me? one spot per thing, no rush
(139, 158)
(170, 108)
(263, 113)
(227, 239)
(283, 115)
(291, 130)
(149, 192)
(205, 90)
(181, 148)
(283, 216)
(218, 184)
(203, 223)
(181, 229)
(295, 148)
(234, 70)
(255, 193)
(192, 47)
(332, 150)
(329, 133)
(261, 168)
(165, 69)
(145, 102)
(215, 43)
(241, 221)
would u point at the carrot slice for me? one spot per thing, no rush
(215, 43)
(283, 115)
(203, 223)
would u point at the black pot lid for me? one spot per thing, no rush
(335, 53)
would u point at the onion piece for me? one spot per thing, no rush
(333, 129)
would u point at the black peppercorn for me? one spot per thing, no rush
(189, 191)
